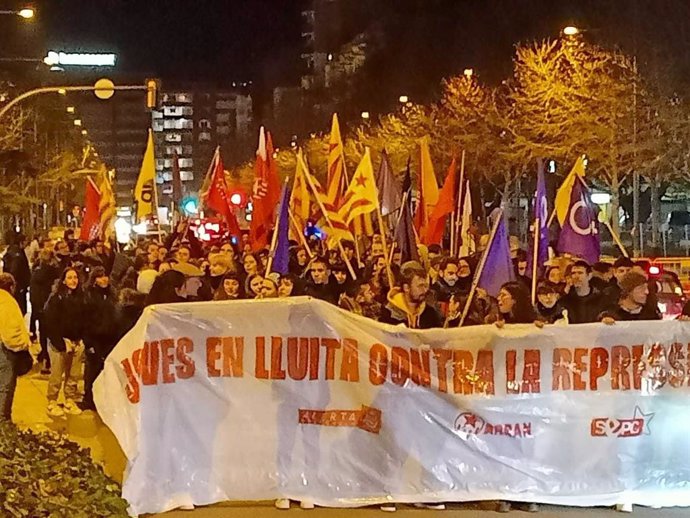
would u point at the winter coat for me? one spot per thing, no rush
(64, 316)
(13, 333)
(43, 277)
(15, 262)
(100, 308)
(127, 317)
(398, 312)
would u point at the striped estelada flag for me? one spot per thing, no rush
(362, 197)
(300, 201)
(107, 207)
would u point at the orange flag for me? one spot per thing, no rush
(433, 232)
(428, 187)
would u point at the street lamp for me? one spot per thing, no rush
(70, 109)
(365, 115)
(403, 99)
(77, 122)
(571, 30)
(27, 13)
(84, 132)
(468, 72)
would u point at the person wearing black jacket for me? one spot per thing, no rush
(64, 322)
(319, 286)
(632, 304)
(100, 335)
(43, 277)
(16, 264)
(129, 308)
(549, 308)
(583, 302)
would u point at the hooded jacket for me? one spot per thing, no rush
(13, 333)
(398, 312)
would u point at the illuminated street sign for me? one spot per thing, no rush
(84, 60)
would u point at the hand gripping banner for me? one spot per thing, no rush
(256, 400)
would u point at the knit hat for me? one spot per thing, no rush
(630, 281)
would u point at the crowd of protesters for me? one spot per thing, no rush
(82, 298)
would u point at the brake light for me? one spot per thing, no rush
(654, 270)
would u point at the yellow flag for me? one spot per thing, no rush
(145, 190)
(299, 197)
(427, 182)
(564, 191)
(336, 164)
(361, 197)
(107, 206)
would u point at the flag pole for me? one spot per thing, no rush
(458, 211)
(617, 239)
(274, 237)
(155, 198)
(535, 256)
(300, 233)
(330, 224)
(480, 269)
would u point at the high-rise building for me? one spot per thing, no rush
(191, 122)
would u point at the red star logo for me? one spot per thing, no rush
(361, 180)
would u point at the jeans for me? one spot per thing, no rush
(8, 383)
(65, 368)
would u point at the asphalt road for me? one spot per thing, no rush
(483, 510)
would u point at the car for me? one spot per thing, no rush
(670, 295)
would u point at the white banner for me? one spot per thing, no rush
(256, 400)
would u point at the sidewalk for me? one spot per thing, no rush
(87, 429)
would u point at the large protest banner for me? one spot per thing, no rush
(256, 400)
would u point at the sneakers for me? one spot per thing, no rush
(55, 410)
(435, 507)
(72, 408)
(283, 504)
(504, 507)
(532, 508)
(624, 508)
(306, 504)
(388, 508)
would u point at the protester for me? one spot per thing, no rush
(318, 285)
(582, 302)
(65, 323)
(100, 336)
(407, 303)
(602, 273)
(632, 302)
(129, 308)
(269, 288)
(289, 286)
(514, 305)
(230, 288)
(14, 337)
(255, 282)
(16, 264)
(43, 277)
(167, 288)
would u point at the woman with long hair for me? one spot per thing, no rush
(167, 288)
(64, 317)
(230, 289)
(515, 304)
(254, 283)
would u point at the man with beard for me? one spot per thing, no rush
(407, 303)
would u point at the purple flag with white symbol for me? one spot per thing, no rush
(498, 265)
(580, 233)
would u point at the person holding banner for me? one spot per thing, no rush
(632, 304)
(583, 302)
(407, 304)
(515, 306)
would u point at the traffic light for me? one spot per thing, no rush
(152, 88)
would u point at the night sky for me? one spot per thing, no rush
(421, 41)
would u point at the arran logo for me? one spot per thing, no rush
(628, 427)
(471, 424)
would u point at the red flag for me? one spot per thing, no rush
(218, 196)
(90, 225)
(433, 232)
(266, 192)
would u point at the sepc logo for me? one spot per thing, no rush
(633, 426)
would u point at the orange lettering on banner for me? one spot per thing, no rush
(580, 367)
(620, 364)
(442, 357)
(349, 367)
(675, 360)
(277, 371)
(378, 364)
(186, 367)
(420, 367)
(260, 368)
(463, 364)
(150, 363)
(298, 357)
(562, 359)
(331, 344)
(233, 356)
(637, 365)
(212, 356)
(484, 372)
(598, 366)
(132, 387)
(531, 374)
(512, 387)
(314, 353)
(168, 358)
(400, 365)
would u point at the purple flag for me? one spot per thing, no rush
(390, 192)
(580, 233)
(281, 254)
(498, 264)
(541, 211)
